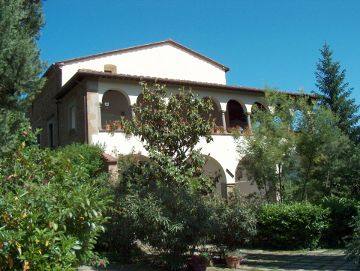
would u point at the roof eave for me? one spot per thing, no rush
(87, 73)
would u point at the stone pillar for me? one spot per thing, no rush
(248, 117)
(223, 119)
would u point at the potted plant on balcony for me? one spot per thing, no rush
(221, 130)
(107, 127)
(118, 125)
(247, 131)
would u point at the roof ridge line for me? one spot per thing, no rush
(136, 47)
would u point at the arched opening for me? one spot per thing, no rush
(114, 106)
(214, 114)
(242, 181)
(236, 116)
(214, 170)
(258, 106)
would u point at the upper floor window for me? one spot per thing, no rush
(51, 135)
(110, 68)
(72, 117)
(38, 137)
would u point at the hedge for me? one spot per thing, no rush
(291, 226)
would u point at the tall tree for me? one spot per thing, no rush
(20, 66)
(298, 152)
(334, 93)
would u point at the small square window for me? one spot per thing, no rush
(109, 68)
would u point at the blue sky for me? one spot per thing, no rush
(273, 43)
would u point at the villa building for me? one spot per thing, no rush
(82, 95)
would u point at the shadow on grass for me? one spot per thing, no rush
(297, 261)
(127, 267)
(266, 261)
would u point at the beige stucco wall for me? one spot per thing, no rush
(161, 61)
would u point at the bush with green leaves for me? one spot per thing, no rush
(291, 226)
(353, 246)
(342, 213)
(233, 223)
(52, 208)
(163, 199)
(297, 152)
(87, 157)
(173, 221)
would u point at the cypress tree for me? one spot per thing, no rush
(20, 66)
(334, 93)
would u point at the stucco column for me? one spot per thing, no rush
(223, 119)
(132, 112)
(248, 117)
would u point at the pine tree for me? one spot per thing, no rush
(20, 66)
(334, 93)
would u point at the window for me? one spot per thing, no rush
(72, 117)
(110, 68)
(38, 137)
(51, 135)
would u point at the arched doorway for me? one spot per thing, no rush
(214, 170)
(242, 181)
(258, 106)
(236, 116)
(114, 106)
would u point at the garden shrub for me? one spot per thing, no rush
(88, 157)
(172, 221)
(353, 246)
(51, 209)
(233, 223)
(291, 226)
(119, 239)
(342, 213)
